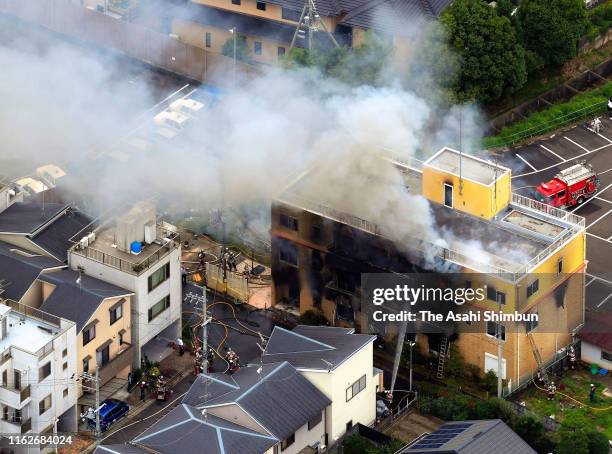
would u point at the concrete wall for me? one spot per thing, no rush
(591, 354)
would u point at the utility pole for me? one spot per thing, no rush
(204, 331)
(499, 351)
(411, 344)
(234, 32)
(96, 380)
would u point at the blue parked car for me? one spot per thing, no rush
(111, 410)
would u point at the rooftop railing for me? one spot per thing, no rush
(543, 208)
(170, 241)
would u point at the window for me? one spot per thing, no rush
(44, 405)
(159, 276)
(355, 388)
(65, 366)
(89, 333)
(494, 295)
(315, 421)
(159, 307)
(560, 266)
(492, 363)
(493, 328)
(65, 392)
(116, 312)
(288, 252)
(257, 47)
(103, 355)
(64, 353)
(121, 340)
(530, 325)
(86, 364)
(288, 222)
(287, 441)
(291, 14)
(606, 356)
(4, 377)
(345, 282)
(236, 2)
(44, 371)
(316, 233)
(261, 6)
(208, 39)
(448, 195)
(281, 51)
(533, 288)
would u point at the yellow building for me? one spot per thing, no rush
(102, 313)
(530, 256)
(269, 26)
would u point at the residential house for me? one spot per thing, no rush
(38, 392)
(596, 340)
(530, 256)
(9, 194)
(267, 408)
(340, 364)
(102, 313)
(469, 437)
(135, 251)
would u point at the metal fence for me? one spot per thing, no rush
(150, 46)
(234, 284)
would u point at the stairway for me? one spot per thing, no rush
(442, 357)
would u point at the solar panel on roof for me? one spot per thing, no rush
(441, 436)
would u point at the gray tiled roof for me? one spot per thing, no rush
(279, 398)
(185, 430)
(481, 437)
(55, 238)
(314, 347)
(76, 302)
(27, 217)
(120, 449)
(20, 270)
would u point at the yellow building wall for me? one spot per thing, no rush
(195, 34)
(469, 196)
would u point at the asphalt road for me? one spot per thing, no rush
(540, 161)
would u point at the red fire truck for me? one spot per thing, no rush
(569, 187)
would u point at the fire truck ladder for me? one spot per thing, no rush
(538, 358)
(442, 356)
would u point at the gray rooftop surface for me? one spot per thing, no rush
(20, 270)
(279, 398)
(76, 302)
(185, 430)
(314, 347)
(481, 437)
(120, 449)
(56, 237)
(469, 167)
(27, 217)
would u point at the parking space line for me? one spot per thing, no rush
(553, 153)
(604, 137)
(602, 199)
(525, 161)
(599, 278)
(605, 299)
(163, 101)
(598, 237)
(575, 143)
(590, 282)
(588, 200)
(598, 219)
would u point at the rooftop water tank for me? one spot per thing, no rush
(135, 248)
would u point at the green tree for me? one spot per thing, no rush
(504, 8)
(492, 59)
(551, 28)
(598, 443)
(529, 428)
(243, 52)
(573, 442)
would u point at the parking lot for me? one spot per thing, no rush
(539, 161)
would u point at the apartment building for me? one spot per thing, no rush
(102, 313)
(531, 256)
(38, 392)
(340, 364)
(134, 251)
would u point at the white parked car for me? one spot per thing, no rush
(186, 106)
(169, 123)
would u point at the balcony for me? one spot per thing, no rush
(17, 424)
(14, 397)
(117, 364)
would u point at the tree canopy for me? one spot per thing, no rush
(551, 28)
(243, 52)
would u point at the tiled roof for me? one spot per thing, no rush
(598, 331)
(26, 218)
(55, 238)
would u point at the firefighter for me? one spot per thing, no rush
(596, 125)
(233, 361)
(552, 389)
(210, 358)
(539, 377)
(181, 346)
(143, 385)
(572, 357)
(592, 393)
(610, 108)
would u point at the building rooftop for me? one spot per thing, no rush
(31, 330)
(466, 166)
(55, 237)
(314, 347)
(278, 397)
(598, 331)
(185, 430)
(19, 269)
(471, 437)
(519, 238)
(77, 301)
(28, 217)
(120, 449)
